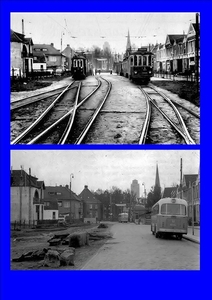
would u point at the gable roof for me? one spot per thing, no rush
(169, 192)
(51, 50)
(59, 193)
(171, 38)
(88, 197)
(21, 178)
(19, 38)
(189, 179)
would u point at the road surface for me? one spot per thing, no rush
(133, 247)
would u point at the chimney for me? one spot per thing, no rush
(86, 186)
(22, 26)
(68, 45)
(52, 44)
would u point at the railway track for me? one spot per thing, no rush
(167, 108)
(35, 98)
(45, 129)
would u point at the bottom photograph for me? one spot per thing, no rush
(105, 210)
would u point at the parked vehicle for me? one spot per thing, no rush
(169, 217)
(123, 217)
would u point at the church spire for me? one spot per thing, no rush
(157, 180)
(128, 41)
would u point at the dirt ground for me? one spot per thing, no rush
(31, 240)
(184, 89)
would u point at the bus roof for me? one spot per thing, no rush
(171, 200)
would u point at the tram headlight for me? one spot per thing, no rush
(135, 72)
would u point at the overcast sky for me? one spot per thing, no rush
(106, 168)
(87, 29)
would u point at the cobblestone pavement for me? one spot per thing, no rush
(133, 247)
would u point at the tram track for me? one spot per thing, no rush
(63, 125)
(163, 104)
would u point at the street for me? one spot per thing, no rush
(133, 247)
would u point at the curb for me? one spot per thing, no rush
(191, 239)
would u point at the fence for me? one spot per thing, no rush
(175, 77)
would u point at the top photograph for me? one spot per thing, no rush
(105, 78)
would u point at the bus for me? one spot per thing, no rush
(123, 217)
(169, 216)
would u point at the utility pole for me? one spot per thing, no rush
(197, 51)
(30, 207)
(181, 177)
(71, 176)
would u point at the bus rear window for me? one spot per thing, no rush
(173, 209)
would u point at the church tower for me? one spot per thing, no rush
(157, 179)
(128, 47)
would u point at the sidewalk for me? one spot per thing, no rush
(193, 237)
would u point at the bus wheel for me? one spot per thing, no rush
(179, 236)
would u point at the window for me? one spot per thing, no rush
(135, 60)
(51, 193)
(52, 58)
(155, 210)
(90, 206)
(47, 203)
(173, 209)
(144, 60)
(66, 204)
(139, 60)
(44, 49)
(131, 60)
(60, 203)
(53, 215)
(96, 206)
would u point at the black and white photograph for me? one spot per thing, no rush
(105, 210)
(105, 78)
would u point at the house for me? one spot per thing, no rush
(39, 62)
(174, 50)
(27, 195)
(53, 58)
(169, 192)
(68, 52)
(51, 211)
(191, 46)
(178, 53)
(190, 191)
(21, 56)
(69, 204)
(92, 207)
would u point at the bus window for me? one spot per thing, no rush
(135, 60)
(131, 60)
(173, 209)
(139, 60)
(144, 60)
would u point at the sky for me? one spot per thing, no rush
(103, 169)
(88, 29)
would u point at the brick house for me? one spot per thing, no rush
(21, 57)
(92, 207)
(53, 58)
(177, 54)
(169, 192)
(27, 195)
(190, 191)
(69, 204)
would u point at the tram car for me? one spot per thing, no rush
(81, 67)
(138, 66)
